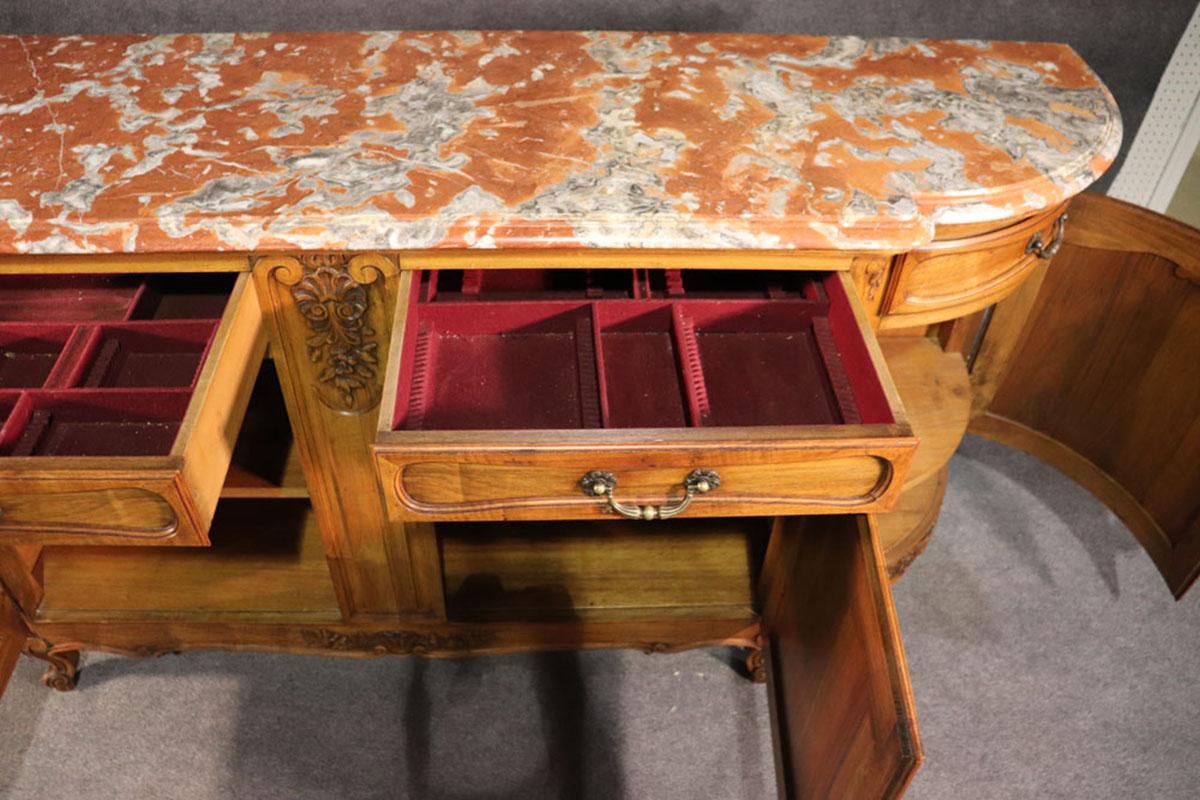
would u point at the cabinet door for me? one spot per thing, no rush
(842, 709)
(1103, 378)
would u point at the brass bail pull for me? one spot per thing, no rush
(600, 483)
(1044, 251)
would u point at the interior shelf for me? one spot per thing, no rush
(603, 570)
(261, 562)
(936, 391)
(266, 460)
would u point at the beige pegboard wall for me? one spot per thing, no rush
(1170, 132)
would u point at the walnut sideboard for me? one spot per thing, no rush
(463, 343)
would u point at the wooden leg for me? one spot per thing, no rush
(63, 670)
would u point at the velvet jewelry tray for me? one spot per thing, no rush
(102, 365)
(572, 349)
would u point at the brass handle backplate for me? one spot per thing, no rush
(600, 483)
(1044, 251)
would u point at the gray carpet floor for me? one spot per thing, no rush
(1047, 658)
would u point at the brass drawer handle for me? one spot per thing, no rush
(1046, 252)
(599, 483)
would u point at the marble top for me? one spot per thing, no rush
(502, 139)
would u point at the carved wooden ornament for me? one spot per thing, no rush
(340, 299)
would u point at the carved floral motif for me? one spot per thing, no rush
(342, 344)
(395, 642)
(874, 281)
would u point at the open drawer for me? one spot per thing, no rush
(543, 394)
(120, 400)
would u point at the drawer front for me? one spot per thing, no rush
(610, 371)
(956, 277)
(646, 481)
(123, 382)
(66, 510)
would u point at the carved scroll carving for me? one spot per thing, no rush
(756, 667)
(402, 643)
(339, 297)
(62, 673)
(873, 276)
(870, 276)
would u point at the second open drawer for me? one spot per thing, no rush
(534, 394)
(120, 400)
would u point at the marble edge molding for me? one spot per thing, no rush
(901, 222)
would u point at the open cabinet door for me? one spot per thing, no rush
(842, 708)
(1102, 376)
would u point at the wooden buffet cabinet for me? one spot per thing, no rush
(304, 349)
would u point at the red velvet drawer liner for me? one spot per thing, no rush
(112, 298)
(115, 374)
(67, 298)
(95, 423)
(638, 348)
(8, 401)
(149, 354)
(635, 284)
(28, 353)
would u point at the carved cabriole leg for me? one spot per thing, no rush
(330, 319)
(63, 659)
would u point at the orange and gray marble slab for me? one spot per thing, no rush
(251, 142)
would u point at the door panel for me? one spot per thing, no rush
(842, 708)
(1103, 379)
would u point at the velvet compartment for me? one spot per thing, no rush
(154, 354)
(563, 349)
(28, 353)
(102, 365)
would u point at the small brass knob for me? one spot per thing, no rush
(702, 487)
(599, 488)
(649, 512)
